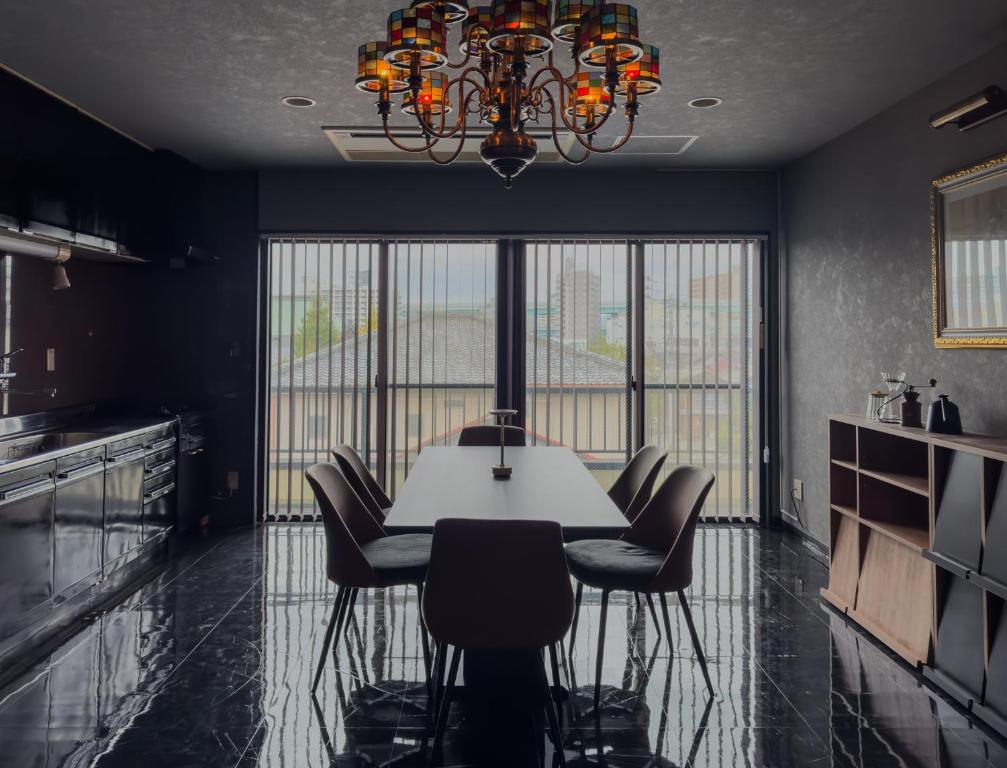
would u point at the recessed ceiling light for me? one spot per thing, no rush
(707, 102)
(299, 102)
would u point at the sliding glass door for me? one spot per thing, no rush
(442, 345)
(323, 346)
(391, 347)
(578, 374)
(700, 316)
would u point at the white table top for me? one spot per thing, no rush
(547, 484)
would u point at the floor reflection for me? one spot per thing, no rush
(211, 665)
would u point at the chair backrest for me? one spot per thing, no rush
(498, 584)
(361, 480)
(668, 524)
(348, 526)
(633, 488)
(488, 436)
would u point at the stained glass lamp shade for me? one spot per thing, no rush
(610, 28)
(416, 32)
(521, 21)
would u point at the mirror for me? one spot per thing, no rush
(968, 229)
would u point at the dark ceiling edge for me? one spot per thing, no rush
(90, 115)
(901, 100)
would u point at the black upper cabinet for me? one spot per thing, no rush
(65, 175)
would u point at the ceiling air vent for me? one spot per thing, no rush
(656, 145)
(369, 145)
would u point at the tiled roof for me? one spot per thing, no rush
(457, 348)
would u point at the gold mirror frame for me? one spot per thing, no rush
(965, 338)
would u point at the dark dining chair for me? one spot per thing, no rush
(360, 555)
(635, 485)
(632, 490)
(653, 557)
(487, 435)
(477, 600)
(363, 482)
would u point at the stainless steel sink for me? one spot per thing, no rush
(28, 446)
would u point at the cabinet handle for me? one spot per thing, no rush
(124, 458)
(31, 489)
(160, 469)
(162, 491)
(83, 471)
(161, 445)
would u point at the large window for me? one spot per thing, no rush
(391, 347)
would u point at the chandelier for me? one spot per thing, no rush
(495, 84)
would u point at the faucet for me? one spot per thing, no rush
(7, 375)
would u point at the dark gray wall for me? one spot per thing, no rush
(544, 200)
(856, 243)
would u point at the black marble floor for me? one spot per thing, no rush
(210, 664)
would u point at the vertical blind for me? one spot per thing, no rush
(579, 333)
(323, 316)
(700, 307)
(442, 345)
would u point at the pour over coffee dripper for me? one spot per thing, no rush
(888, 412)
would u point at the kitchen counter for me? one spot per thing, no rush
(79, 437)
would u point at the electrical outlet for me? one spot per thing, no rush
(232, 481)
(50, 360)
(798, 490)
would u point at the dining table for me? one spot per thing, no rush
(546, 483)
(502, 720)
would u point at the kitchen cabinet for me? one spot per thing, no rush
(123, 502)
(27, 501)
(79, 521)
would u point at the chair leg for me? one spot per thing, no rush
(555, 733)
(601, 652)
(576, 616)
(556, 685)
(667, 624)
(445, 708)
(425, 640)
(336, 610)
(440, 669)
(653, 615)
(695, 640)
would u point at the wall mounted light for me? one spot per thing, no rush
(969, 113)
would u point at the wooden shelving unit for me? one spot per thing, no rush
(919, 552)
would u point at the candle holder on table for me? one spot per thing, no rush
(501, 471)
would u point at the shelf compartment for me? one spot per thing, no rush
(911, 483)
(843, 486)
(959, 653)
(895, 595)
(993, 708)
(895, 512)
(843, 442)
(994, 561)
(844, 569)
(898, 460)
(958, 505)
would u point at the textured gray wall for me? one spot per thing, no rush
(856, 240)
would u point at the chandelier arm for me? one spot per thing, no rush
(614, 147)
(454, 155)
(399, 145)
(555, 136)
(428, 127)
(468, 45)
(573, 127)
